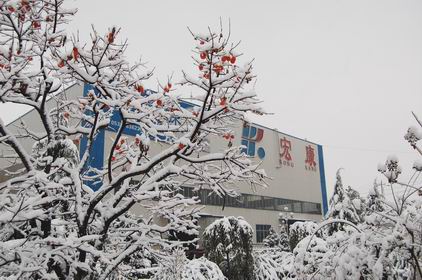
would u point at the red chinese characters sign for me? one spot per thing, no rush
(310, 163)
(285, 152)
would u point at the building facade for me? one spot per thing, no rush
(295, 166)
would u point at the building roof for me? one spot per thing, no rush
(27, 109)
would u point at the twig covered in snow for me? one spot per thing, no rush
(52, 224)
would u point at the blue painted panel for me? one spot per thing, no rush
(187, 105)
(244, 143)
(96, 156)
(322, 179)
(252, 132)
(245, 131)
(251, 148)
(261, 153)
(116, 122)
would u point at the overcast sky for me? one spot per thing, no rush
(344, 74)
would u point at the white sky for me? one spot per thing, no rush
(344, 74)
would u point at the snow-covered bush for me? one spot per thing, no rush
(278, 240)
(309, 256)
(299, 230)
(285, 261)
(202, 269)
(272, 262)
(172, 266)
(53, 225)
(265, 268)
(374, 201)
(177, 267)
(378, 238)
(383, 242)
(228, 243)
(345, 204)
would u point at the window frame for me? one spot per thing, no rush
(261, 232)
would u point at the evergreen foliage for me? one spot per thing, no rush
(228, 243)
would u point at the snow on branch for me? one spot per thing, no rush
(52, 223)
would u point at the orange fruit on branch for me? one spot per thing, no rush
(223, 101)
(75, 53)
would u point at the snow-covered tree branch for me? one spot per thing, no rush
(52, 224)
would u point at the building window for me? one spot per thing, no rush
(308, 207)
(297, 207)
(283, 205)
(208, 197)
(253, 201)
(262, 231)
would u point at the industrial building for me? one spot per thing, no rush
(295, 166)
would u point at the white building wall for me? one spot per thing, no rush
(295, 181)
(288, 181)
(252, 216)
(33, 122)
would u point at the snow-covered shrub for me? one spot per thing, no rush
(272, 260)
(300, 230)
(272, 239)
(363, 252)
(202, 269)
(345, 204)
(374, 201)
(278, 240)
(265, 268)
(172, 266)
(228, 243)
(310, 257)
(177, 267)
(384, 243)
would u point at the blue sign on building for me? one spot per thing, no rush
(251, 136)
(96, 155)
(96, 159)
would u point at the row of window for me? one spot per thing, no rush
(207, 197)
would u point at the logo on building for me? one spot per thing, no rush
(285, 152)
(310, 163)
(251, 138)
